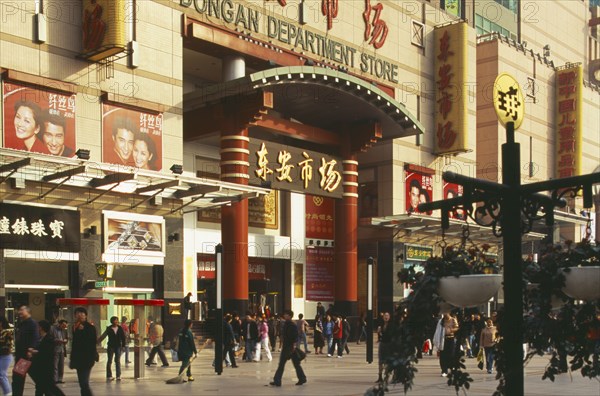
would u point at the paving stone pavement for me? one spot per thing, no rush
(348, 376)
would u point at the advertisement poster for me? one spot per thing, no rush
(133, 238)
(452, 190)
(419, 189)
(131, 138)
(319, 217)
(320, 274)
(39, 121)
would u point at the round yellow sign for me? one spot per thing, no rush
(508, 100)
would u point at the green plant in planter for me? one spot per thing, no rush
(573, 331)
(415, 317)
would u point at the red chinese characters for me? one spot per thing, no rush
(376, 30)
(567, 122)
(330, 8)
(445, 135)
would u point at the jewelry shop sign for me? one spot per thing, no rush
(40, 228)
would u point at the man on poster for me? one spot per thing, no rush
(414, 195)
(55, 130)
(124, 131)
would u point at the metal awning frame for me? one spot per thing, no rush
(100, 178)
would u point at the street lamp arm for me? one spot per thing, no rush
(474, 183)
(570, 184)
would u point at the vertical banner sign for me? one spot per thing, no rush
(103, 24)
(39, 121)
(569, 85)
(453, 190)
(451, 71)
(320, 276)
(131, 138)
(419, 189)
(319, 217)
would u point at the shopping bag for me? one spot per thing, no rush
(480, 358)
(300, 354)
(174, 356)
(22, 367)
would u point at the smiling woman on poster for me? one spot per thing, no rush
(144, 152)
(28, 125)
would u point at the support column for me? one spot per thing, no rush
(234, 224)
(234, 217)
(346, 241)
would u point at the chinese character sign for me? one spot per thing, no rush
(417, 253)
(320, 217)
(376, 30)
(419, 189)
(131, 138)
(258, 268)
(508, 100)
(452, 190)
(295, 169)
(38, 228)
(39, 121)
(451, 67)
(320, 274)
(330, 8)
(569, 104)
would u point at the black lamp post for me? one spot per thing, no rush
(369, 310)
(510, 209)
(219, 311)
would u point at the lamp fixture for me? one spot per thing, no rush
(173, 237)
(177, 169)
(83, 154)
(92, 230)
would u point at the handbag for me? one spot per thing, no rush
(174, 355)
(22, 367)
(300, 354)
(481, 358)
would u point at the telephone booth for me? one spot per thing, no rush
(144, 313)
(96, 309)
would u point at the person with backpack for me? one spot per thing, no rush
(186, 348)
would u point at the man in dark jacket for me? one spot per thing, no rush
(116, 343)
(83, 350)
(290, 338)
(228, 340)
(186, 348)
(26, 336)
(42, 367)
(250, 333)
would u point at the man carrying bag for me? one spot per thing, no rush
(289, 351)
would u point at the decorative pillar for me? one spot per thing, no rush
(346, 241)
(234, 217)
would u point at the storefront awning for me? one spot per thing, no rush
(308, 95)
(420, 228)
(98, 178)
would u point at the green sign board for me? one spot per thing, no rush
(104, 283)
(417, 253)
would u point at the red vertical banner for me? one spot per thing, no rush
(320, 274)
(419, 189)
(320, 216)
(453, 190)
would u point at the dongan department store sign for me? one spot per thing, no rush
(296, 37)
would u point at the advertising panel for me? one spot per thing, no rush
(419, 189)
(320, 218)
(39, 121)
(320, 275)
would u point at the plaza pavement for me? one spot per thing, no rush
(348, 376)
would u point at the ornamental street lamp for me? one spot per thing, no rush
(510, 209)
(219, 311)
(369, 310)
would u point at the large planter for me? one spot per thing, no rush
(583, 283)
(469, 290)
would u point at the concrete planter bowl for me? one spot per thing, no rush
(583, 283)
(469, 290)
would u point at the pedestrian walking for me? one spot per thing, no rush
(345, 334)
(60, 344)
(487, 341)
(338, 333)
(187, 305)
(302, 326)
(362, 328)
(6, 358)
(125, 327)
(444, 341)
(116, 343)
(26, 336)
(384, 333)
(229, 341)
(318, 339)
(263, 330)
(186, 348)
(42, 362)
(290, 339)
(156, 341)
(83, 350)
(328, 332)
